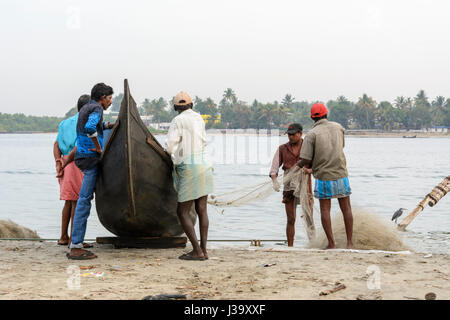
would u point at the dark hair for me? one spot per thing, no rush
(320, 118)
(183, 108)
(100, 90)
(84, 99)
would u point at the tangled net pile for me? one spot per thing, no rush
(370, 232)
(9, 229)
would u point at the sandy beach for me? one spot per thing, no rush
(40, 270)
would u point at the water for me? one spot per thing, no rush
(385, 174)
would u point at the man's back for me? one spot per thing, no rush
(186, 135)
(324, 146)
(67, 134)
(90, 121)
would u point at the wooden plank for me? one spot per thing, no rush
(147, 242)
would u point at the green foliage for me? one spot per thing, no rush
(366, 113)
(21, 123)
(341, 111)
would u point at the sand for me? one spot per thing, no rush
(40, 270)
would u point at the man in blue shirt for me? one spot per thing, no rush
(69, 176)
(90, 127)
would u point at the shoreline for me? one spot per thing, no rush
(347, 134)
(40, 270)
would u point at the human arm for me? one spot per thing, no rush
(310, 192)
(173, 138)
(304, 163)
(307, 152)
(108, 125)
(276, 163)
(70, 157)
(58, 160)
(91, 130)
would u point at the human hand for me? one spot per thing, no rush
(311, 200)
(59, 168)
(276, 185)
(307, 170)
(110, 125)
(97, 149)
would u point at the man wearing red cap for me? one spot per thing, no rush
(288, 155)
(322, 151)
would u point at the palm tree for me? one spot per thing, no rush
(401, 102)
(229, 96)
(367, 105)
(287, 101)
(421, 99)
(266, 113)
(438, 110)
(211, 109)
(342, 99)
(409, 103)
(439, 102)
(281, 110)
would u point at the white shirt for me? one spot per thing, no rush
(186, 136)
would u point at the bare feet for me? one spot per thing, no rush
(64, 240)
(205, 253)
(198, 254)
(330, 246)
(350, 245)
(192, 256)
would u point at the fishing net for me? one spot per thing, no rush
(9, 229)
(295, 179)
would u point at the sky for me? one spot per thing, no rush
(52, 51)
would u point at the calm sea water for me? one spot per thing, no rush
(385, 174)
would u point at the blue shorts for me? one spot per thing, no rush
(332, 189)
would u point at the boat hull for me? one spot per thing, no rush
(135, 196)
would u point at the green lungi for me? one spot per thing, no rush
(193, 178)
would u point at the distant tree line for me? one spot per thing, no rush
(21, 123)
(417, 112)
(404, 113)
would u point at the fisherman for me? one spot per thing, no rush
(322, 150)
(69, 176)
(90, 128)
(192, 172)
(288, 155)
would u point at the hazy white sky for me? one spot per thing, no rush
(54, 50)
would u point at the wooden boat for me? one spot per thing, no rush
(135, 196)
(409, 137)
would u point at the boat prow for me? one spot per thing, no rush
(135, 196)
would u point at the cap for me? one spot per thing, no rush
(294, 128)
(318, 110)
(182, 99)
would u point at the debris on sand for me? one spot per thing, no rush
(337, 287)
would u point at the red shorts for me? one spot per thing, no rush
(70, 183)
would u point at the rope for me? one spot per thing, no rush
(214, 240)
